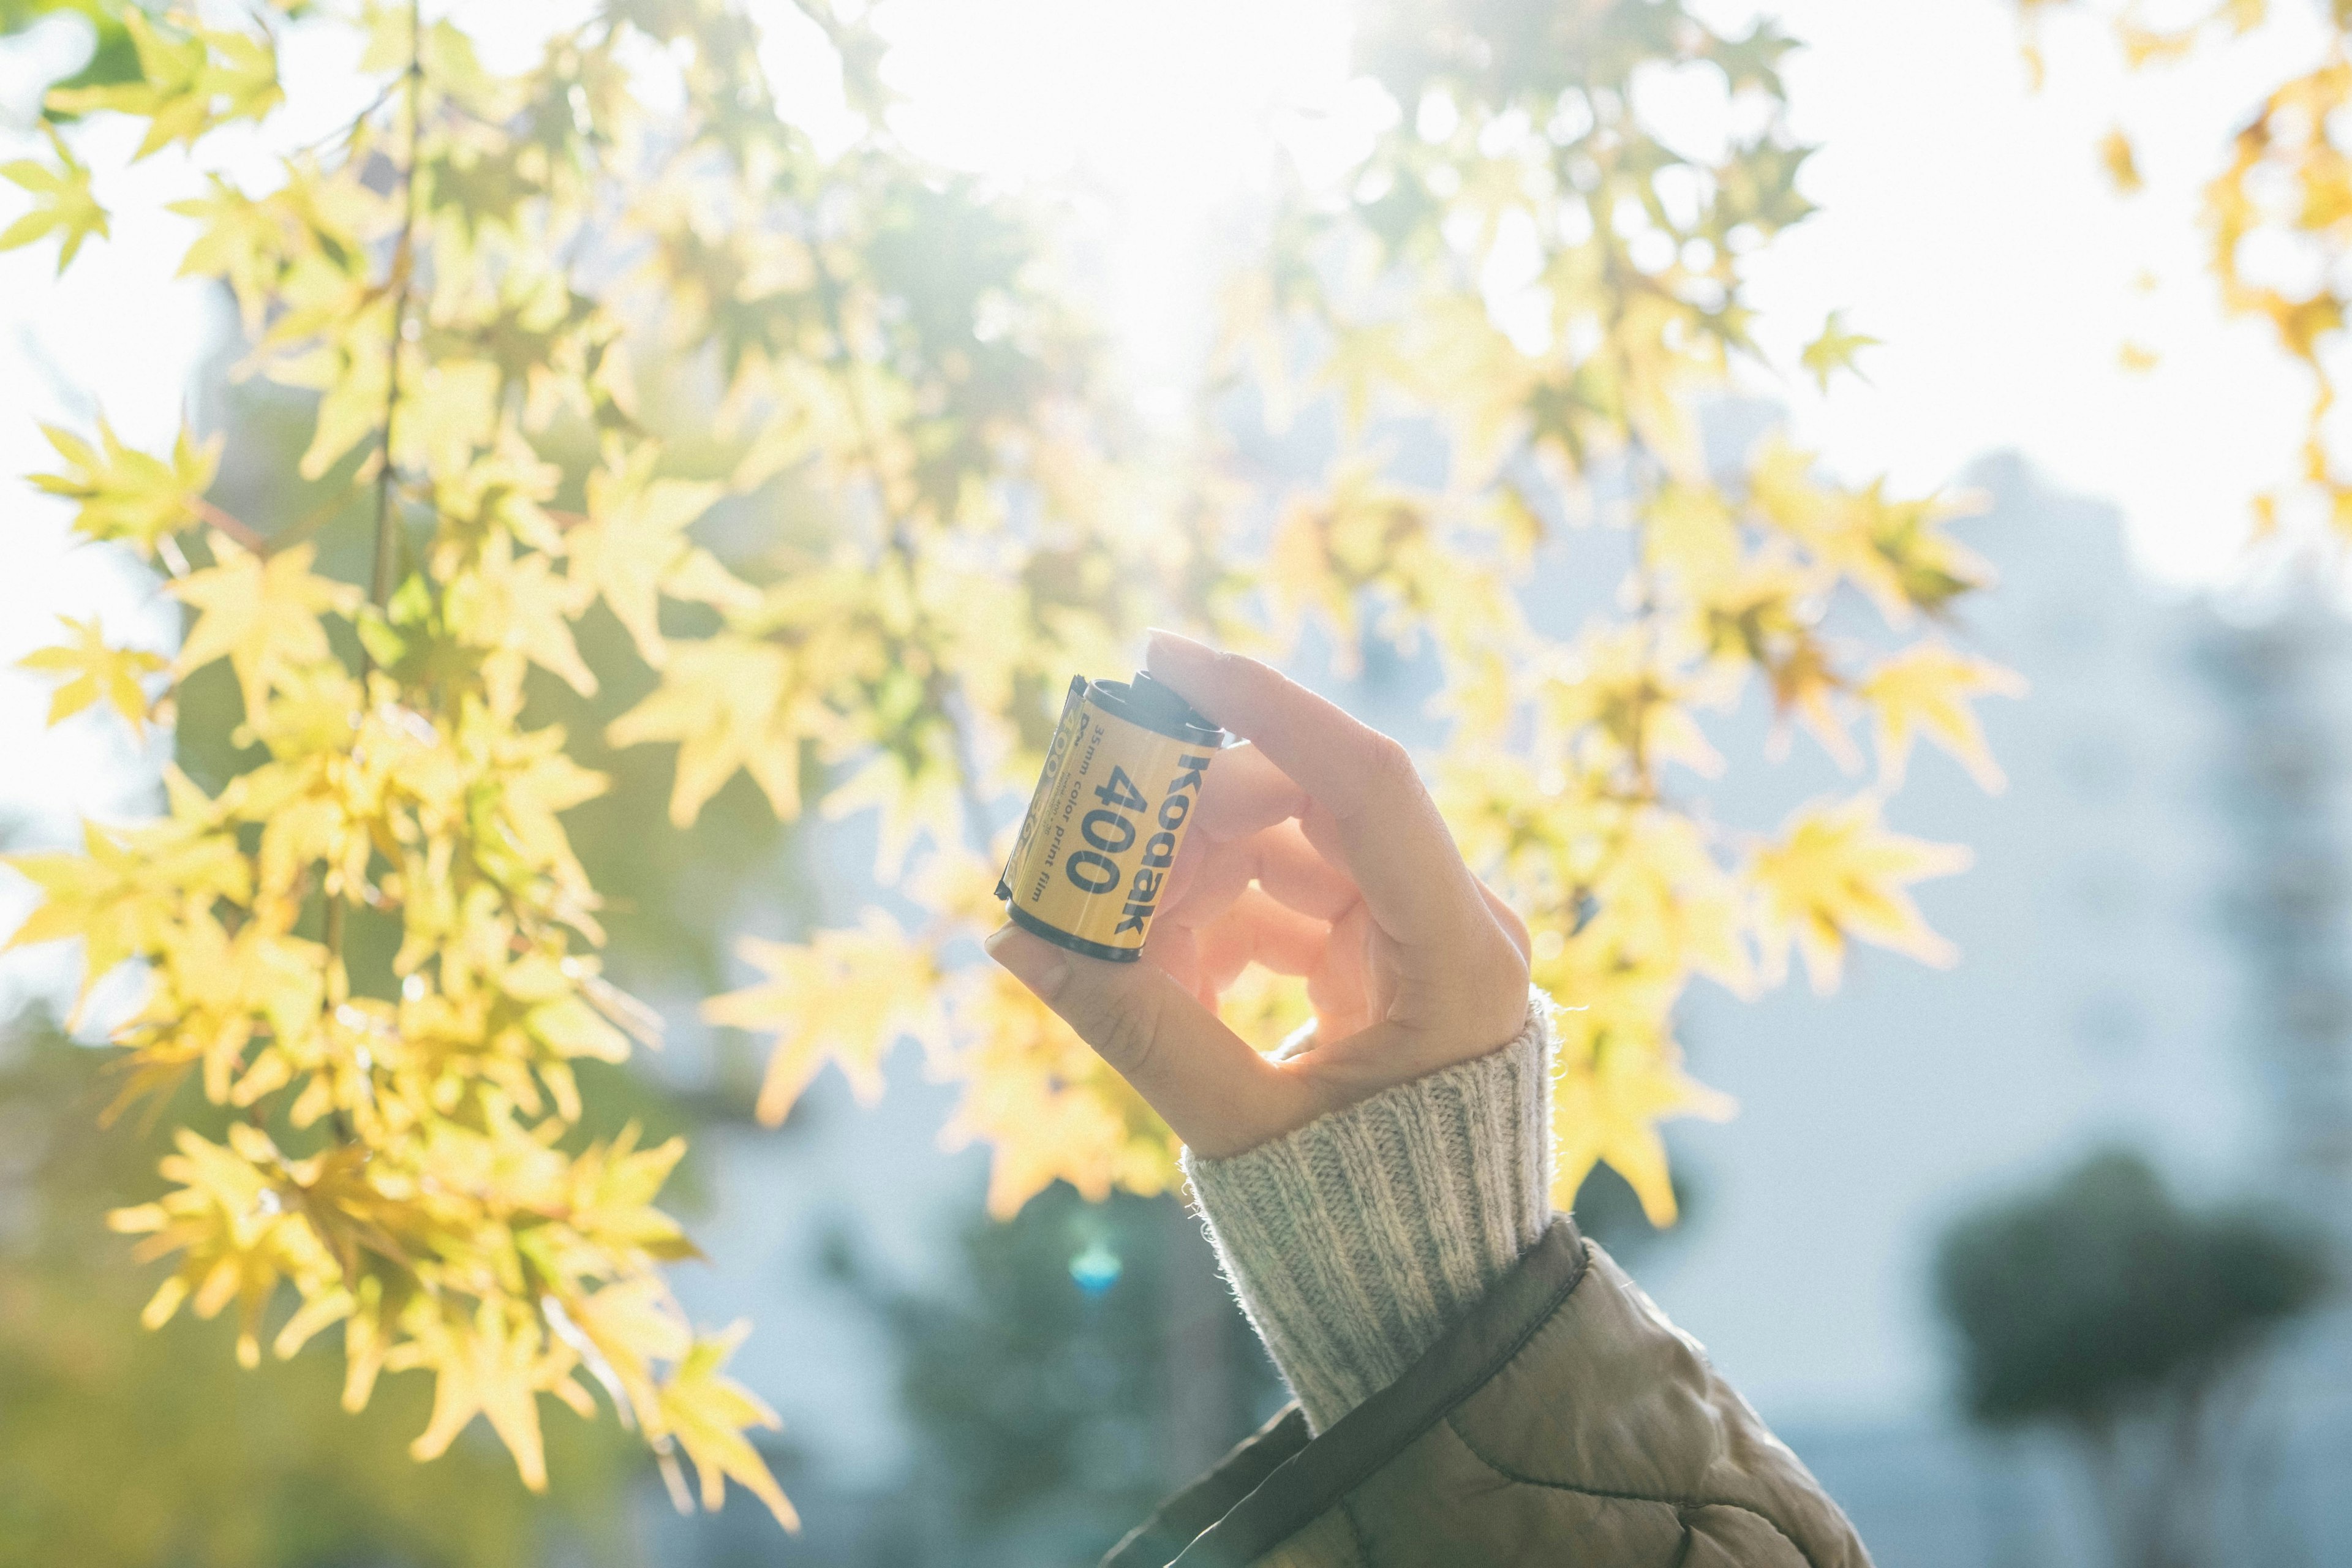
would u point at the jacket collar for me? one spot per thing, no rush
(1280, 1481)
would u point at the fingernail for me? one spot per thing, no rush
(1167, 650)
(1035, 964)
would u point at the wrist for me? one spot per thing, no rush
(1355, 1240)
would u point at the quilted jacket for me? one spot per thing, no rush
(1563, 1421)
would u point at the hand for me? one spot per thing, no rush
(1314, 851)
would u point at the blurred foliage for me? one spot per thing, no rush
(2132, 1323)
(637, 422)
(113, 57)
(124, 1449)
(1522, 260)
(2277, 215)
(1038, 1372)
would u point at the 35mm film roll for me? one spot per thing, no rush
(1122, 775)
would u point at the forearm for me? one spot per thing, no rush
(1354, 1241)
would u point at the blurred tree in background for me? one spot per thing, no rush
(1036, 1381)
(631, 417)
(2137, 1328)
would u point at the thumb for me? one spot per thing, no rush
(1218, 1095)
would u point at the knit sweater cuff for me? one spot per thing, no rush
(1355, 1241)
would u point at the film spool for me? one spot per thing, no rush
(1122, 775)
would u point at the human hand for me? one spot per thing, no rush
(1314, 851)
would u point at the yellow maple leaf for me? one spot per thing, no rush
(1606, 1109)
(236, 1236)
(707, 1413)
(1834, 349)
(1690, 530)
(1662, 901)
(490, 1366)
(261, 614)
(1837, 873)
(843, 997)
(95, 671)
(730, 702)
(1925, 690)
(62, 202)
(1619, 693)
(123, 894)
(518, 608)
(633, 548)
(620, 1332)
(1047, 1105)
(126, 494)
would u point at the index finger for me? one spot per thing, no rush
(1390, 835)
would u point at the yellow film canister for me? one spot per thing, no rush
(1122, 775)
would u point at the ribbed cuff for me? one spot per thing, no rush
(1358, 1239)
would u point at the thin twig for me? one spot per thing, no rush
(387, 521)
(386, 532)
(939, 686)
(309, 522)
(244, 532)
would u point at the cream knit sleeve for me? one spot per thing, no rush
(1355, 1241)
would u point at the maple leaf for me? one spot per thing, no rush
(238, 1236)
(1607, 1108)
(180, 79)
(1805, 685)
(915, 787)
(1662, 900)
(62, 202)
(621, 1330)
(1925, 690)
(239, 241)
(731, 703)
(1047, 1105)
(1619, 690)
(632, 549)
(490, 1366)
(520, 610)
(1691, 531)
(1837, 873)
(123, 894)
(126, 494)
(843, 997)
(707, 1413)
(95, 671)
(261, 614)
(1834, 349)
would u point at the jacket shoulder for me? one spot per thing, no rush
(1563, 1412)
(1610, 1403)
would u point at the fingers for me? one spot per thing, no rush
(1245, 792)
(1220, 1096)
(1508, 919)
(1203, 886)
(1257, 929)
(1385, 828)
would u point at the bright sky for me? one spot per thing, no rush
(1965, 223)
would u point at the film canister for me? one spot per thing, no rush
(1122, 775)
